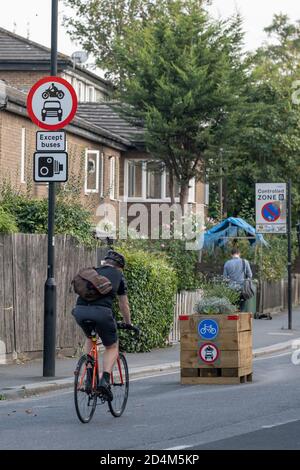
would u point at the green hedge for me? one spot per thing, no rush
(8, 223)
(152, 285)
(31, 216)
(182, 260)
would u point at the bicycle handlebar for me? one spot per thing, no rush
(126, 326)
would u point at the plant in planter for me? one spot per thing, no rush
(214, 306)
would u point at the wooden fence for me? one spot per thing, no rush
(273, 296)
(23, 271)
(184, 305)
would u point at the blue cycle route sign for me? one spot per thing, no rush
(208, 329)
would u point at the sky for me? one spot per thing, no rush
(34, 15)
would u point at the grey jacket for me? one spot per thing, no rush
(233, 270)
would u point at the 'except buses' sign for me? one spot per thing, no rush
(271, 207)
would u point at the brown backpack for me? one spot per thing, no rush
(90, 285)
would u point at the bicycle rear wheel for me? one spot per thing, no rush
(84, 397)
(119, 386)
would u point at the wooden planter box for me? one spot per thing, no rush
(216, 349)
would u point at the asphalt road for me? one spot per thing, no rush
(162, 414)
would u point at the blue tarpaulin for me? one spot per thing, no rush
(219, 235)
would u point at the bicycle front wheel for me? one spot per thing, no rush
(119, 386)
(84, 397)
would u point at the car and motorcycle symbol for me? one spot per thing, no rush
(52, 109)
(209, 353)
(52, 103)
(53, 92)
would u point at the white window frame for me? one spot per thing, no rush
(144, 198)
(112, 177)
(75, 86)
(101, 178)
(192, 191)
(23, 155)
(206, 194)
(89, 152)
(88, 88)
(81, 91)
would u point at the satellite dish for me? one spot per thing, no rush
(80, 57)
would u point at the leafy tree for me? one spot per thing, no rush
(97, 24)
(266, 146)
(182, 75)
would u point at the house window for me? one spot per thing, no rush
(154, 180)
(112, 178)
(147, 180)
(23, 155)
(90, 94)
(135, 177)
(176, 186)
(92, 171)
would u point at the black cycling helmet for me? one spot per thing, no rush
(116, 257)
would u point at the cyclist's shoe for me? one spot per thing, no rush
(104, 389)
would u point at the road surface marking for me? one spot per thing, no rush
(179, 447)
(272, 357)
(281, 334)
(269, 426)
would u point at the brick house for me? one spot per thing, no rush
(94, 153)
(142, 179)
(107, 155)
(23, 62)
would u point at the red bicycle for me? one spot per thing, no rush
(87, 378)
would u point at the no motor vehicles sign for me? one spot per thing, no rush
(52, 103)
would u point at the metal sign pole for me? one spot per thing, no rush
(289, 233)
(50, 286)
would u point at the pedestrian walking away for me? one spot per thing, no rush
(236, 271)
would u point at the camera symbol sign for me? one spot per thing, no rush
(50, 167)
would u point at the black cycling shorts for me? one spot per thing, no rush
(106, 326)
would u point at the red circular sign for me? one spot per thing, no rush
(209, 353)
(52, 103)
(271, 211)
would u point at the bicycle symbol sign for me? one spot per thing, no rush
(208, 329)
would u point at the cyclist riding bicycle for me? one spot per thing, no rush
(100, 311)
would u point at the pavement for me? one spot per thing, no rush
(25, 379)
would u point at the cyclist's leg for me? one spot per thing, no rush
(88, 345)
(110, 356)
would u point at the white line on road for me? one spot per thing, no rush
(264, 358)
(269, 426)
(179, 447)
(281, 334)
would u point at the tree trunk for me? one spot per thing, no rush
(184, 196)
(171, 187)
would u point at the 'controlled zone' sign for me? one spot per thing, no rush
(271, 208)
